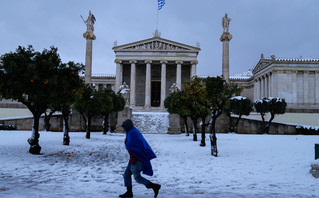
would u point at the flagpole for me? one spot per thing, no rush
(157, 17)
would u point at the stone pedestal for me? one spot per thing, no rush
(225, 38)
(174, 124)
(121, 116)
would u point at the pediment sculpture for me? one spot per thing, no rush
(156, 45)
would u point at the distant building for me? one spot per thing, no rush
(105, 81)
(294, 79)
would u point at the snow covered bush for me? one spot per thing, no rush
(7, 127)
(307, 130)
(240, 106)
(272, 105)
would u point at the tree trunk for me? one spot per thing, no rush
(186, 126)
(236, 124)
(105, 123)
(84, 118)
(268, 124)
(35, 148)
(263, 123)
(203, 143)
(213, 138)
(47, 118)
(66, 137)
(194, 129)
(231, 126)
(88, 127)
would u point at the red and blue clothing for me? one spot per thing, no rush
(139, 150)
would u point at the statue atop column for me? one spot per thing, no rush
(89, 36)
(225, 23)
(89, 26)
(225, 38)
(90, 22)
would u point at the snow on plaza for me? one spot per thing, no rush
(247, 166)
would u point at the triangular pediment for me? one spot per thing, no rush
(263, 63)
(156, 44)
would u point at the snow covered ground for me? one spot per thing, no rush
(247, 166)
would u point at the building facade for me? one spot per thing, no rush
(150, 67)
(295, 80)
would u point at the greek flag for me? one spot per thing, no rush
(161, 3)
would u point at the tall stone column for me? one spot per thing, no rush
(258, 89)
(148, 84)
(269, 85)
(89, 36)
(163, 83)
(294, 87)
(255, 90)
(119, 74)
(266, 85)
(262, 91)
(133, 82)
(179, 74)
(274, 83)
(317, 87)
(306, 87)
(193, 68)
(225, 38)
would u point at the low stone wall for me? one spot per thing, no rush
(251, 126)
(76, 123)
(149, 124)
(245, 126)
(26, 123)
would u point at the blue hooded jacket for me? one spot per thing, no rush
(137, 145)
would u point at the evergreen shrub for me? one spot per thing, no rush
(7, 127)
(307, 130)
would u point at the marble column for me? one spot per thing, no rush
(148, 84)
(179, 74)
(133, 82)
(262, 87)
(269, 85)
(274, 83)
(225, 38)
(258, 89)
(255, 90)
(193, 68)
(89, 36)
(266, 85)
(306, 87)
(119, 74)
(163, 83)
(317, 87)
(294, 87)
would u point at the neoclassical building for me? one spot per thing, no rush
(150, 67)
(294, 79)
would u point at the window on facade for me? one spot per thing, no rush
(108, 86)
(100, 87)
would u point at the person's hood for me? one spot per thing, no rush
(127, 125)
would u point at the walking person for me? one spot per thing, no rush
(140, 156)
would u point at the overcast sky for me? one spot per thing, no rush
(285, 28)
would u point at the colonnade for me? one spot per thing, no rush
(264, 86)
(178, 80)
(297, 87)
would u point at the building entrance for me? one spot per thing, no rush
(155, 94)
